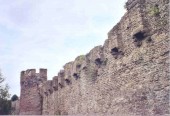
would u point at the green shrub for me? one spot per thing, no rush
(80, 59)
(154, 11)
(14, 98)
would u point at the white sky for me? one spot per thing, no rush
(49, 33)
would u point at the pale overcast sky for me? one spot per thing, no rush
(49, 33)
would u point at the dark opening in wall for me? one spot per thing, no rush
(78, 66)
(116, 52)
(98, 61)
(55, 88)
(84, 68)
(39, 80)
(68, 81)
(60, 85)
(76, 76)
(138, 37)
(50, 91)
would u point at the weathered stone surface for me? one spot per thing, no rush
(30, 98)
(128, 75)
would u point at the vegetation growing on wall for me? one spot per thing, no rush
(80, 60)
(154, 10)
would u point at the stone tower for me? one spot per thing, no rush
(30, 98)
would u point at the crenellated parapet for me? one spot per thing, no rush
(128, 73)
(30, 78)
(125, 36)
(55, 83)
(61, 75)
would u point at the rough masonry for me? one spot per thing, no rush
(128, 75)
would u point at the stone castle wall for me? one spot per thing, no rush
(129, 74)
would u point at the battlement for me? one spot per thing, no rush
(129, 68)
(31, 79)
(32, 73)
(28, 72)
